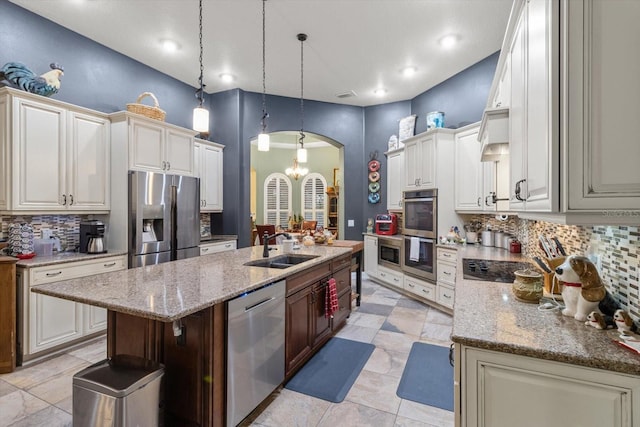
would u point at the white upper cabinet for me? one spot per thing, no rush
(573, 66)
(157, 147)
(534, 138)
(395, 172)
(55, 156)
(600, 85)
(208, 167)
(468, 170)
(422, 155)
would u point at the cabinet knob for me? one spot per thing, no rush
(446, 254)
(168, 165)
(205, 249)
(110, 264)
(164, 165)
(478, 202)
(70, 199)
(64, 200)
(57, 273)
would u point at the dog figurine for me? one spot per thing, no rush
(583, 289)
(624, 322)
(599, 321)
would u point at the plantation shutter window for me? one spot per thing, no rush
(314, 187)
(277, 199)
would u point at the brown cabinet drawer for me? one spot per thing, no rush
(307, 277)
(343, 280)
(340, 263)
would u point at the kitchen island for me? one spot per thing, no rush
(148, 304)
(516, 364)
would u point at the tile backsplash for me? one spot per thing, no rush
(65, 227)
(618, 248)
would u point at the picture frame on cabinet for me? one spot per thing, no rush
(407, 127)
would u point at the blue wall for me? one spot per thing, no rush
(99, 78)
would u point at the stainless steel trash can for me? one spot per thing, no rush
(121, 391)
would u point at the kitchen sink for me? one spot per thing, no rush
(280, 261)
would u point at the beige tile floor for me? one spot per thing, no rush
(40, 395)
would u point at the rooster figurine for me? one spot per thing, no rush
(17, 75)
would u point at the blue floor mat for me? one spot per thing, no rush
(428, 376)
(332, 371)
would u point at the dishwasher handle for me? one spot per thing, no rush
(258, 304)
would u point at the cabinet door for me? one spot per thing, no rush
(489, 186)
(572, 396)
(299, 328)
(468, 171)
(211, 174)
(395, 166)
(517, 119)
(541, 140)
(147, 146)
(412, 166)
(52, 321)
(94, 319)
(601, 84)
(321, 324)
(39, 143)
(5, 151)
(371, 255)
(179, 152)
(88, 161)
(427, 152)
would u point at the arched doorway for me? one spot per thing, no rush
(325, 159)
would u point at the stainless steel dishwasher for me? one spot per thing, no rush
(255, 348)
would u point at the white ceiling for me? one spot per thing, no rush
(356, 45)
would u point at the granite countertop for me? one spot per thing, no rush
(486, 315)
(173, 290)
(41, 261)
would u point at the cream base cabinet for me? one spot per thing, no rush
(506, 390)
(395, 172)
(155, 146)
(601, 87)
(208, 166)
(55, 156)
(371, 256)
(49, 323)
(216, 247)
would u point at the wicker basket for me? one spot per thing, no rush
(152, 112)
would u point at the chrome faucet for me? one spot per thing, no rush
(265, 240)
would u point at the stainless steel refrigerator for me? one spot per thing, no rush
(164, 218)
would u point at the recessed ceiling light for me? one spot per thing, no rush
(169, 45)
(409, 71)
(227, 77)
(380, 92)
(448, 41)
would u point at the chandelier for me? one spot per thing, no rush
(296, 171)
(263, 137)
(201, 114)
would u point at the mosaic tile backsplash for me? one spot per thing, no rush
(618, 248)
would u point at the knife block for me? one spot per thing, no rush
(553, 263)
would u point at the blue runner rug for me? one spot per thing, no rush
(428, 376)
(332, 371)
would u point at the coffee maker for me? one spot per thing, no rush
(92, 237)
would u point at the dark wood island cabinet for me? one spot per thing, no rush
(147, 304)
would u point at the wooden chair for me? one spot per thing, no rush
(270, 229)
(309, 225)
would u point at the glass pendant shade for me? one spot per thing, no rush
(201, 119)
(263, 142)
(302, 155)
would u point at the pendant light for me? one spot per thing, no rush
(263, 137)
(201, 114)
(302, 152)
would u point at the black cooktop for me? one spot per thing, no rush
(491, 271)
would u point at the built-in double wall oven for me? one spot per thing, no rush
(420, 227)
(390, 252)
